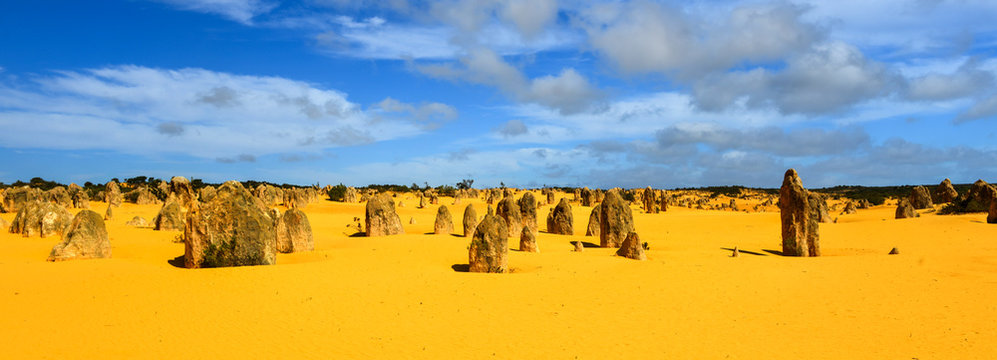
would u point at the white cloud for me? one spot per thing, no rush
(242, 11)
(643, 37)
(984, 109)
(512, 128)
(196, 112)
(832, 77)
(966, 81)
(568, 92)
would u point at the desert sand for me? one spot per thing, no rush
(400, 296)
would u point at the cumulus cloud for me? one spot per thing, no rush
(986, 108)
(642, 37)
(196, 112)
(568, 92)
(832, 77)
(512, 128)
(773, 140)
(966, 81)
(426, 113)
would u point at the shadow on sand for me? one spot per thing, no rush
(461, 267)
(177, 262)
(773, 252)
(585, 244)
(748, 252)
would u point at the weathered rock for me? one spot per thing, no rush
(799, 212)
(663, 203)
(894, 251)
(86, 238)
(112, 193)
(141, 196)
(615, 220)
(579, 246)
(920, 198)
(232, 229)
(294, 232)
(632, 248)
(268, 194)
(41, 218)
(849, 208)
(381, 218)
(945, 192)
(550, 196)
(992, 214)
(508, 210)
(79, 196)
(560, 220)
(978, 198)
(16, 198)
(528, 240)
(109, 213)
(138, 221)
(470, 220)
(735, 253)
(593, 226)
(181, 188)
(170, 217)
(650, 201)
(4, 224)
(489, 246)
(59, 196)
(905, 210)
(444, 222)
(528, 211)
(586, 197)
(818, 204)
(206, 193)
(351, 195)
(295, 198)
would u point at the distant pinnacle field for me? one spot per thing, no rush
(409, 295)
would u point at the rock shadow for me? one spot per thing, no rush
(748, 252)
(585, 244)
(461, 267)
(177, 262)
(774, 252)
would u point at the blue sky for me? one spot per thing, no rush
(525, 92)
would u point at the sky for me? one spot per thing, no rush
(526, 93)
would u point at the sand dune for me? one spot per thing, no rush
(400, 296)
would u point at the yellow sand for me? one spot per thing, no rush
(399, 297)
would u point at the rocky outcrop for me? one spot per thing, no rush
(233, 229)
(920, 198)
(138, 221)
(944, 192)
(294, 232)
(112, 193)
(528, 240)
(170, 216)
(818, 204)
(295, 198)
(905, 210)
(86, 238)
(560, 220)
(59, 196)
(632, 248)
(16, 198)
(109, 213)
(41, 218)
(593, 226)
(268, 194)
(508, 210)
(799, 212)
(444, 222)
(351, 195)
(992, 214)
(849, 208)
(79, 197)
(470, 220)
(206, 193)
(141, 196)
(615, 220)
(528, 211)
(650, 200)
(489, 247)
(381, 218)
(587, 197)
